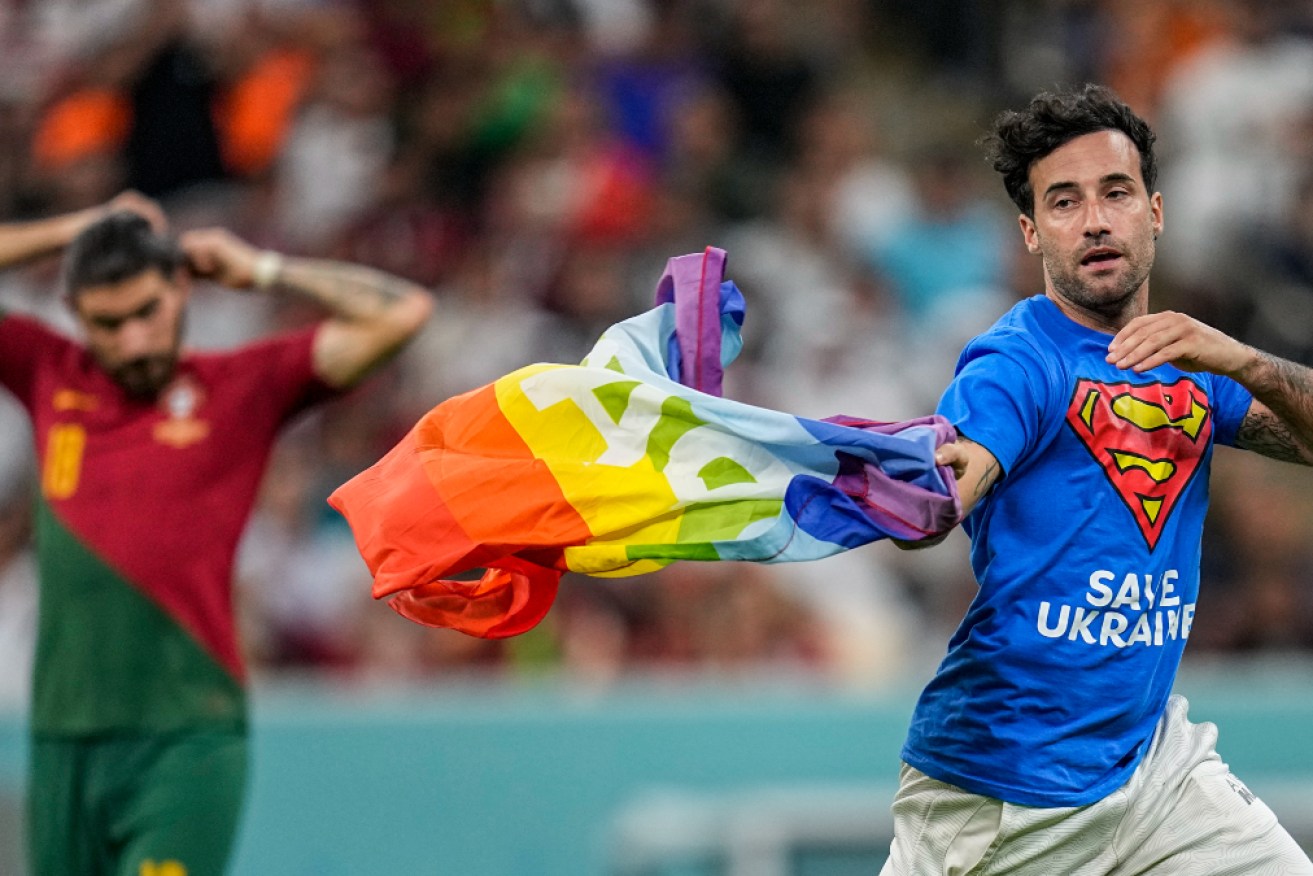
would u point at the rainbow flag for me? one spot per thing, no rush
(624, 464)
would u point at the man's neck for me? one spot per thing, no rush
(1100, 321)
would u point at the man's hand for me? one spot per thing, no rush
(1279, 423)
(975, 470)
(134, 202)
(24, 241)
(1158, 338)
(954, 456)
(219, 255)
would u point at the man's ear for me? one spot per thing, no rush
(1029, 233)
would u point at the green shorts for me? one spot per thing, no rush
(135, 805)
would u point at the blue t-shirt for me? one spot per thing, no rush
(1087, 555)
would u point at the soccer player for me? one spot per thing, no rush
(1048, 741)
(150, 458)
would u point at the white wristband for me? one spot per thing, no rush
(266, 268)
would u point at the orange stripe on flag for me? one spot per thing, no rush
(403, 530)
(478, 462)
(436, 505)
(502, 603)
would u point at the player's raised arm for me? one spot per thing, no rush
(373, 313)
(1279, 423)
(24, 241)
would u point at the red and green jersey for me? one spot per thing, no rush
(141, 507)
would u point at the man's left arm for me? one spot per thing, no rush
(1279, 423)
(372, 314)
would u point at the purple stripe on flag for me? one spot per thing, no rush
(884, 491)
(697, 316)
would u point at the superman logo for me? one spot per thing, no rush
(1148, 439)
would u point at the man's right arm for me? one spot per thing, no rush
(24, 241)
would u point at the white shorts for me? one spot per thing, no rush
(1181, 812)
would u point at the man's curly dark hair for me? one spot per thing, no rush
(1019, 139)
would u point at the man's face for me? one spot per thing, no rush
(1095, 225)
(134, 330)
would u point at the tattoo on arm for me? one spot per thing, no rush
(1283, 428)
(349, 291)
(1264, 433)
(987, 478)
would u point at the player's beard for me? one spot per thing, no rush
(1110, 297)
(143, 378)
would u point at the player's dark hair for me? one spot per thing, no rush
(116, 248)
(1019, 139)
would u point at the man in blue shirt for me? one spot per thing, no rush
(1048, 741)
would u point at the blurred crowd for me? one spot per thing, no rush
(534, 162)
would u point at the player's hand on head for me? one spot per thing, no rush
(1159, 338)
(219, 255)
(132, 201)
(128, 201)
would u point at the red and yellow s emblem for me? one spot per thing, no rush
(1148, 439)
